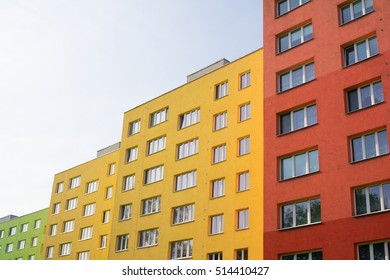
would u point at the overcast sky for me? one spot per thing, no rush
(69, 69)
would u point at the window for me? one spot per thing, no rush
(313, 255)
(215, 256)
(218, 188)
(109, 192)
(220, 121)
(299, 165)
(159, 117)
(103, 241)
(181, 249)
(297, 119)
(221, 90)
(151, 205)
(242, 254)
(86, 233)
(60, 187)
(216, 224)
(188, 119)
(12, 231)
(34, 241)
(129, 182)
(295, 77)
(245, 112)
(243, 181)
(49, 252)
(83, 256)
(92, 186)
(37, 224)
(125, 212)
(122, 242)
(24, 227)
(53, 230)
(245, 80)
(71, 203)
(219, 153)
(21, 244)
(369, 145)
(374, 251)
(1, 233)
(65, 249)
(154, 174)
(157, 145)
(364, 96)
(243, 146)
(9, 247)
(111, 169)
(134, 127)
(360, 51)
(187, 149)
(301, 213)
(148, 238)
(295, 37)
(74, 182)
(355, 10)
(106, 216)
(185, 180)
(131, 154)
(372, 199)
(56, 208)
(284, 6)
(183, 214)
(68, 226)
(31, 257)
(242, 219)
(89, 209)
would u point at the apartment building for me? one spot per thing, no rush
(21, 237)
(80, 213)
(326, 163)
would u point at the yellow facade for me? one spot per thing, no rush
(207, 234)
(84, 236)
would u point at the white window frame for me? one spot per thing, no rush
(74, 182)
(292, 119)
(386, 244)
(350, 6)
(49, 252)
(71, 203)
(128, 182)
(242, 219)
(60, 187)
(89, 209)
(368, 52)
(221, 90)
(12, 231)
(109, 191)
(134, 127)
(148, 238)
(158, 117)
(132, 154)
(296, 256)
(219, 153)
(122, 243)
(301, 2)
(151, 205)
(86, 233)
(106, 216)
(125, 212)
(92, 186)
(216, 224)
(56, 208)
(305, 78)
(217, 188)
(289, 34)
(360, 99)
(24, 227)
(183, 214)
(187, 149)
(103, 241)
(65, 249)
(34, 241)
(382, 202)
(9, 247)
(243, 181)
(1, 234)
(220, 121)
(181, 249)
(68, 226)
(111, 169)
(189, 118)
(215, 256)
(245, 80)
(157, 145)
(244, 146)
(242, 254)
(185, 180)
(21, 244)
(153, 175)
(293, 165)
(294, 216)
(244, 112)
(37, 223)
(53, 230)
(363, 145)
(83, 256)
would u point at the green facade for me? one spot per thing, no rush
(22, 237)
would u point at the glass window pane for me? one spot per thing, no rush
(316, 255)
(307, 32)
(383, 142)
(379, 251)
(295, 38)
(378, 93)
(300, 164)
(365, 95)
(364, 252)
(282, 7)
(294, 4)
(373, 43)
(284, 43)
(353, 101)
(349, 55)
(313, 161)
(360, 201)
(288, 257)
(346, 14)
(287, 171)
(375, 199)
(311, 115)
(309, 72)
(369, 6)
(357, 149)
(287, 216)
(369, 143)
(357, 9)
(297, 77)
(303, 256)
(386, 195)
(285, 82)
(361, 50)
(285, 123)
(301, 213)
(315, 210)
(299, 119)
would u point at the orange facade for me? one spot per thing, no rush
(327, 87)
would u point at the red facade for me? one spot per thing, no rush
(351, 62)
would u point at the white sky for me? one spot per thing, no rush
(69, 69)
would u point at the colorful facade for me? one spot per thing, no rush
(326, 129)
(21, 237)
